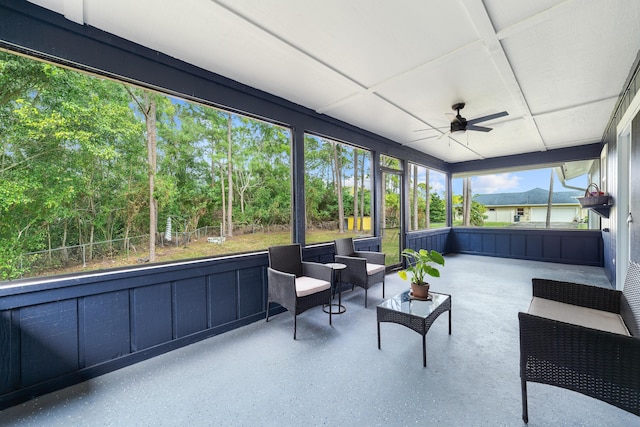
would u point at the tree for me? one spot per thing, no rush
(414, 195)
(466, 200)
(146, 102)
(355, 189)
(428, 201)
(549, 201)
(337, 162)
(229, 180)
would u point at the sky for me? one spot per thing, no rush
(516, 182)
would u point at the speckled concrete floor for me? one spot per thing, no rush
(258, 375)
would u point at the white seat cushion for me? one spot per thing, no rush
(576, 315)
(374, 268)
(308, 285)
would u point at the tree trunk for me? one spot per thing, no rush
(549, 201)
(213, 176)
(383, 206)
(362, 194)
(466, 214)
(427, 221)
(65, 254)
(49, 243)
(150, 115)
(224, 202)
(414, 202)
(338, 165)
(230, 181)
(355, 189)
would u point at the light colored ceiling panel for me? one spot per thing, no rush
(469, 76)
(370, 112)
(574, 126)
(369, 41)
(449, 151)
(217, 40)
(557, 66)
(510, 136)
(579, 55)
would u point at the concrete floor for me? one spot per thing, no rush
(258, 375)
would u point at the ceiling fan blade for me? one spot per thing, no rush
(478, 128)
(485, 118)
(452, 118)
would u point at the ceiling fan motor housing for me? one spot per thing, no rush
(459, 125)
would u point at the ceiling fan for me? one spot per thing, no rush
(460, 124)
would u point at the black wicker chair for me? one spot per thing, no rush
(596, 360)
(364, 268)
(295, 284)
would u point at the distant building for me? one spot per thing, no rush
(531, 206)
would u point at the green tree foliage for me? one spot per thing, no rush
(74, 167)
(321, 189)
(437, 208)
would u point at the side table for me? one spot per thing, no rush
(414, 314)
(336, 267)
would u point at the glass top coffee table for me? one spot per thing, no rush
(415, 314)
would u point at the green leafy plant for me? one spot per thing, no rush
(420, 265)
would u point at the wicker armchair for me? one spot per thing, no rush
(295, 284)
(364, 268)
(596, 352)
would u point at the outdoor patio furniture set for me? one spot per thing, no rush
(298, 285)
(574, 336)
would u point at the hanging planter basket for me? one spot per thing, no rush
(593, 197)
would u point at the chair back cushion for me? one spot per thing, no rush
(287, 258)
(630, 304)
(344, 247)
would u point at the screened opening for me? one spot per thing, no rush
(545, 197)
(427, 198)
(95, 174)
(337, 190)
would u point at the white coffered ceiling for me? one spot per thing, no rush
(395, 67)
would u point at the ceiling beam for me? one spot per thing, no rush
(573, 107)
(479, 16)
(228, 6)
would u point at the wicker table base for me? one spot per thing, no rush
(415, 315)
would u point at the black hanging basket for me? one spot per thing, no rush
(594, 197)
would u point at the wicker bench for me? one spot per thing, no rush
(584, 338)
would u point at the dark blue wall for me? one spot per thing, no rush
(435, 239)
(583, 247)
(60, 331)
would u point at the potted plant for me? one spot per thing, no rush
(419, 266)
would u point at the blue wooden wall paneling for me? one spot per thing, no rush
(572, 247)
(189, 306)
(105, 331)
(223, 298)
(87, 328)
(48, 341)
(151, 316)
(251, 291)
